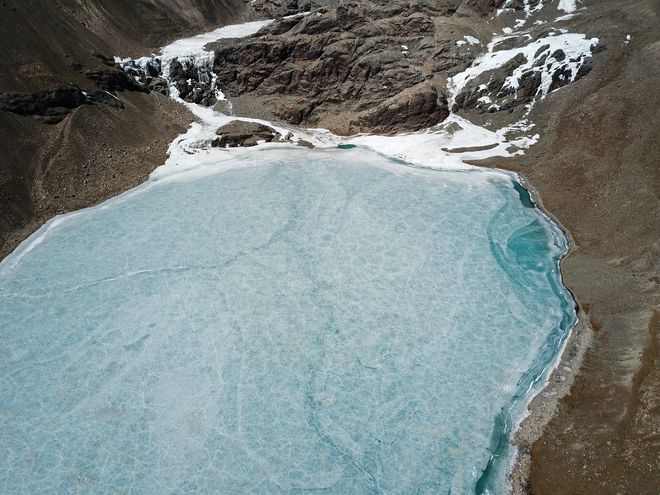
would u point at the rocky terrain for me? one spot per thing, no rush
(370, 66)
(359, 66)
(595, 169)
(76, 128)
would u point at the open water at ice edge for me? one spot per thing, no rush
(327, 322)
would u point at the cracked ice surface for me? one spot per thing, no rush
(331, 322)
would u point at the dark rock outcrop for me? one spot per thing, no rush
(239, 133)
(192, 78)
(483, 7)
(53, 106)
(360, 66)
(420, 107)
(114, 79)
(505, 89)
(193, 82)
(280, 8)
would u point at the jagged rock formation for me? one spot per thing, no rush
(52, 106)
(274, 9)
(373, 66)
(522, 78)
(360, 66)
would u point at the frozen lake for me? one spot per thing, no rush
(330, 322)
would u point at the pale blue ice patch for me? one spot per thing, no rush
(326, 323)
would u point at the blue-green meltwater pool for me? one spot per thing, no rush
(327, 322)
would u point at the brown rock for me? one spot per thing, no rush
(240, 133)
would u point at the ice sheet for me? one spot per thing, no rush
(324, 321)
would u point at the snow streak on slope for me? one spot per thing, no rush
(565, 53)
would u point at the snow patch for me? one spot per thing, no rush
(565, 17)
(445, 146)
(196, 44)
(567, 6)
(576, 48)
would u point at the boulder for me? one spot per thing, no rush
(239, 133)
(415, 109)
(159, 85)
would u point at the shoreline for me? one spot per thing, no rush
(136, 171)
(542, 406)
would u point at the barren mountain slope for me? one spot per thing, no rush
(61, 150)
(597, 170)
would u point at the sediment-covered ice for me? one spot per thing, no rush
(328, 322)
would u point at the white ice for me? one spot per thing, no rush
(328, 321)
(567, 6)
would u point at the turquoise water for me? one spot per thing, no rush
(326, 322)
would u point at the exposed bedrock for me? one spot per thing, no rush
(281, 8)
(239, 133)
(190, 77)
(193, 82)
(274, 9)
(53, 105)
(357, 67)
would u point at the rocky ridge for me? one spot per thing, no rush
(375, 66)
(357, 67)
(51, 106)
